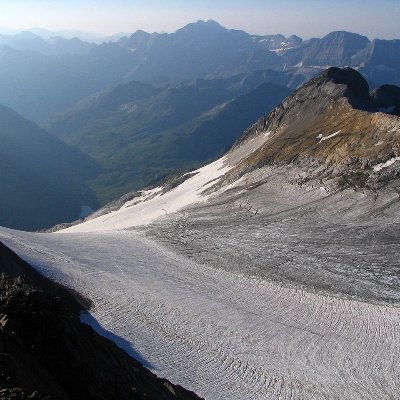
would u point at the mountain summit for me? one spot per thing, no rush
(333, 127)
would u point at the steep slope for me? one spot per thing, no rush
(42, 179)
(38, 85)
(141, 134)
(380, 61)
(40, 328)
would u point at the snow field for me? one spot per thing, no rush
(154, 204)
(224, 335)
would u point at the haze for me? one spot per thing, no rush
(311, 18)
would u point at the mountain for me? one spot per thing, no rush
(379, 62)
(198, 50)
(342, 129)
(27, 41)
(141, 134)
(42, 178)
(39, 85)
(335, 49)
(332, 127)
(278, 43)
(40, 327)
(329, 152)
(270, 272)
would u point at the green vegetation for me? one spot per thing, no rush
(140, 134)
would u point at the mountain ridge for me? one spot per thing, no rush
(186, 54)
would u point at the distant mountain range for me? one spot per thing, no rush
(32, 67)
(28, 41)
(42, 179)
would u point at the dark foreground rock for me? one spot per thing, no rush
(46, 353)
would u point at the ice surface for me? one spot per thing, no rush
(223, 334)
(231, 305)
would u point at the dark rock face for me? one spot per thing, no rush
(387, 97)
(46, 353)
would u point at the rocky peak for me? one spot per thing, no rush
(135, 41)
(202, 27)
(353, 40)
(332, 127)
(334, 85)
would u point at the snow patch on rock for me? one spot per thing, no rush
(386, 164)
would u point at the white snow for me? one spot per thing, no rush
(386, 164)
(153, 204)
(224, 335)
(267, 134)
(323, 138)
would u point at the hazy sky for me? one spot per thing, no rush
(308, 18)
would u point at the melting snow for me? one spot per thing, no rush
(386, 164)
(322, 138)
(267, 134)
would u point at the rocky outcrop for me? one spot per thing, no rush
(46, 353)
(334, 129)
